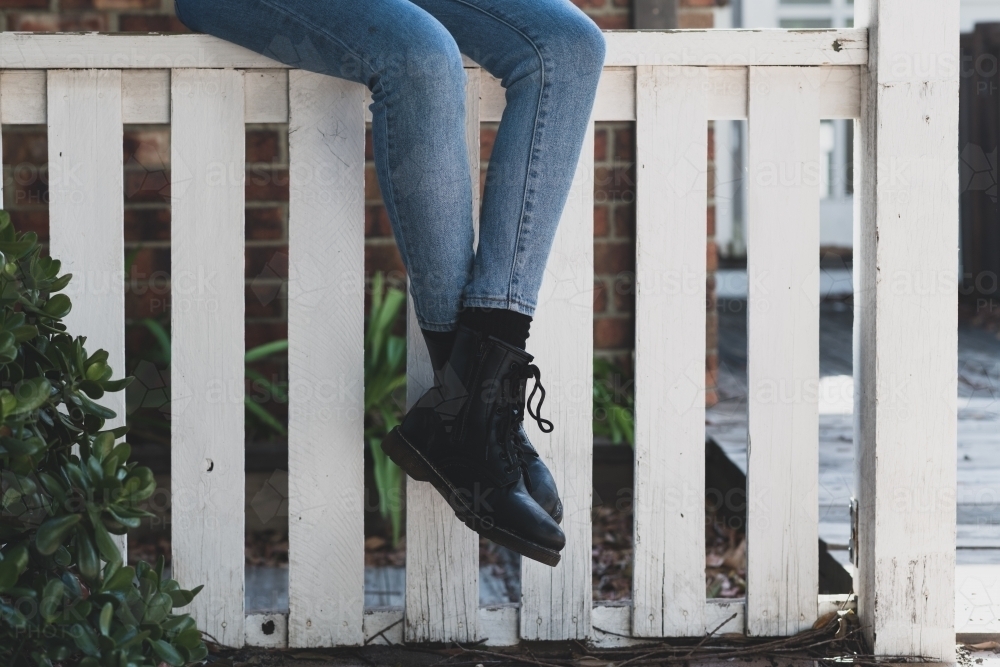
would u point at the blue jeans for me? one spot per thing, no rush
(548, 56)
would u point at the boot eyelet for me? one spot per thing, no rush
(499, 411)
(513, 366)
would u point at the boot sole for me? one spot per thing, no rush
(414, 464)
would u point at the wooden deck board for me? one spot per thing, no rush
(978, 427)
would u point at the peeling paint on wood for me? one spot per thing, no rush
(905, 339)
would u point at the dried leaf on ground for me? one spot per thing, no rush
(984, 646)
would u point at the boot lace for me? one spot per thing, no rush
(513, 407)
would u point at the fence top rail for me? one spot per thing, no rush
(626, 48)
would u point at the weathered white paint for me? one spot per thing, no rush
(269, 630)
(715, 48)
(23, 96)
(625, 49)
(615, 96)
(840, 92)
(146, 95)
(500, 625)
(384, 625)
(668, 580)
(725, 92)
(556, 602)
(326, 361)
(442, 555)
(207, 309)
(905, 359)
(783, 350)
(87, 213)
(267, 95)
(613, 621)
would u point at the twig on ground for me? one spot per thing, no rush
(710, 635)
(613, 634)
(821, 645)
(513, 657)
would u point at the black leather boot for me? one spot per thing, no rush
(460, 437)
(537, 477)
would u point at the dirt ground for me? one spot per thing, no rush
(395, 656)
(390, 656)
(835, 640)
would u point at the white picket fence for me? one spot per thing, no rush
(904, 93)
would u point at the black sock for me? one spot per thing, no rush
(439, 344)
(509, 326)
(443, 339)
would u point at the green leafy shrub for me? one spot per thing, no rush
(614, 403)
(66, 486)
(385, 376)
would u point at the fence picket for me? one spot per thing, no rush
(907, 331)
(668, 598)
(556, 602)
(326, 361)
(783, 350)
(207, 370)
(442, 555)
(87, 212)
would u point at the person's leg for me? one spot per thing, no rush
(412, 65)
(548, 55)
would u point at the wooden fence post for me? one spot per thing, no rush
(906, 342)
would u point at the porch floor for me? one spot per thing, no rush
(978, 426)
(978, 538)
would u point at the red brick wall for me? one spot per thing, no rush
(146, 155)
(104, 15)
(697, 13)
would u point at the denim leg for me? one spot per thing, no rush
(548, 55)
(413, 67)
